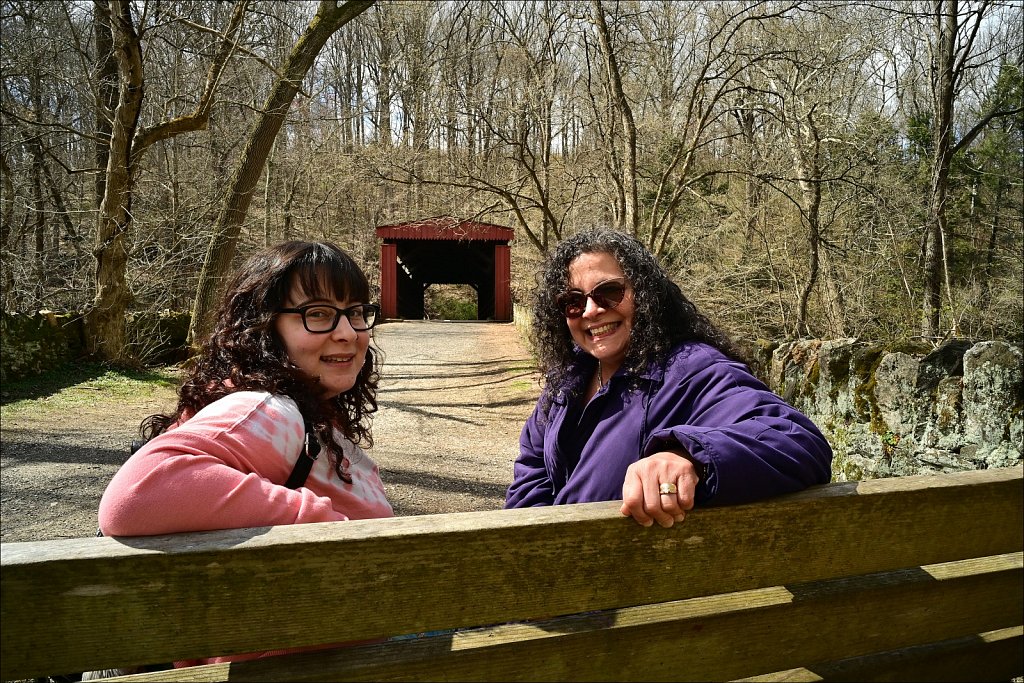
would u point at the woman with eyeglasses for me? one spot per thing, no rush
(289, 354)
(645, 400)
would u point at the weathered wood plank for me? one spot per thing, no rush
(711, 638)
(990, 656)
(221, 592)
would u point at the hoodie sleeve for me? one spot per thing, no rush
(224, 468)
(531, 483)
(754, 445)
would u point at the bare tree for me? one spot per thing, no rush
(328, 19)
(957, 46)
(810, 83)
(105, 321)
(630, 211)
(688, 102)
(517, 168)
(786, 158)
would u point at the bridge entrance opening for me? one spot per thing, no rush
(450, 302)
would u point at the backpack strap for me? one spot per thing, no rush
(310, 451)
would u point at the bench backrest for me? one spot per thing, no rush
(842, 575)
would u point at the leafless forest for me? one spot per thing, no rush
(822, 169)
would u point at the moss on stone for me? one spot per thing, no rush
(911, 347)
(811, 379)
(947, 413)
(836, 368)
(760, 356)
(862, 367)
(844, 469)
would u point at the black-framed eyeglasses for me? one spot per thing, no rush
(323, 318)
(607, 294)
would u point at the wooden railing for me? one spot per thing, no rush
(907, 578)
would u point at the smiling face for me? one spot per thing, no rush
(335, 357)
(603, 333)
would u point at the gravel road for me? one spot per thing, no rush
(452, 400)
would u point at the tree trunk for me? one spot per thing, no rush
(942, 93)
(631, 214)
(106, 79)
(813, 249)
(105, 321)
(35, 147)
(329, 18)
(38, 205)
(805, 147)
(993, 240)
(751, 187)
(61, 209)
(384, 79)
(7, 201)
(835, 302)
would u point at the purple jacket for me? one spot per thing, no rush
(753, 444)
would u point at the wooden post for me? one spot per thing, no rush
(502, 282)
(389, 280)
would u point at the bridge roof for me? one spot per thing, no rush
(445, 228)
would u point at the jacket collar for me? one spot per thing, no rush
(583, 365)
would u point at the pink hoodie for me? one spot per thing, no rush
(225, 468)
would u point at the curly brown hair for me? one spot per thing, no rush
(245, 353)
(663, 316)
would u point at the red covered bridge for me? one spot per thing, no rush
(445, 250)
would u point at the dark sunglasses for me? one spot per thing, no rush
(607, 295)
(322, 318)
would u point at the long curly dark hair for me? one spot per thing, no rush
(663, 316)
(245, 353)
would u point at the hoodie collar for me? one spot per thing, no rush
(583, 365)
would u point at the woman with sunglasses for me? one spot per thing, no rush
(290, 351)
(645, 400)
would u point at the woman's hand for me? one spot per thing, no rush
(641, 498)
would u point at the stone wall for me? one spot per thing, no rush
(34, 343)
(906, 410)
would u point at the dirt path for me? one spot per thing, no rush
(452, 400)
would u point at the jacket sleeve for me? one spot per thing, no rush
(531, 484)
(753, 443)
(224, 468)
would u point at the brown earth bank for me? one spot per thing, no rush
(453, 397)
